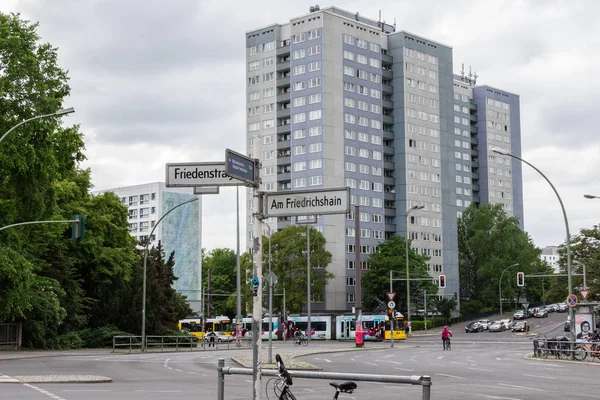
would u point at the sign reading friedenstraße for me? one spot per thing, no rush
(302, 202)
(199, 174)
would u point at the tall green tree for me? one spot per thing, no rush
(488, 242)
(221, 263)
(289, 263)
(391, 256)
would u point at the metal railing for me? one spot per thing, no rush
(424, 381)
(10, 336)
(174, 343)
(560, 348)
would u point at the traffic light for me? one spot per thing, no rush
(77, 227)
(390, 312)
(442, 281)
(520, 279)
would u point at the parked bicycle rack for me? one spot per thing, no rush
(424, 380)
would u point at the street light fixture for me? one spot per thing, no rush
(413, 208)
(145, 263)
(500, 284)
(54, 114)
(591, 196)
(569, 267)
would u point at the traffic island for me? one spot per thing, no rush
(55, 379)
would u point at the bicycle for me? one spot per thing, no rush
(281, 386)
(448, 345)
(301, 340)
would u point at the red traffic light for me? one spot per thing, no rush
(390, 311)
(442, 281)
(520, 279)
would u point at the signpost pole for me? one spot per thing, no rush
(392, 317)
(357, 273)
(308, 299)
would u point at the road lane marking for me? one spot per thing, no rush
(404, 369)
(489, 396)
(451, 376)
(326, 360)
(157, 391)
(40, 390)
(366, 362)
(440, 357)
(84, 390)
(482, 369)
(439, 365)
(522, 387)
(540, 376)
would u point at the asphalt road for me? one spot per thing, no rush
(480, 366)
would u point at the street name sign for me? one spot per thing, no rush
(206, 190)
(307, 202)
(198, 174)
(241, 167)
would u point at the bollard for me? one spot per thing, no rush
(221, 380)
(426, 388)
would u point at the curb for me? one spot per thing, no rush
(55, 379)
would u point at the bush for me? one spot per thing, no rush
(100, 337)
(65, 342)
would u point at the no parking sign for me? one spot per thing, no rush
(572, 300)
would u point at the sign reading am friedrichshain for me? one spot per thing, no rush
(307, 202)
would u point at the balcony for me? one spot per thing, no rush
(283, 66)
(474, 141)
(284, 129)
(387, 74)
(475, 164)
(283, 113)
(387, 59)
(389, 165)
(283, 97)
(475, 188)
(389, 212)
(387, 104)
(387, 89)
(284, 177)
(388, 150)
(473, 117)
(389, 196)
(473, 106)
(387, 119)
(283, 144)
(283, 50)
(476, 199)
(390, 227)
(283, 81)
(474, 128)
(283, 160)
(475, 175)
(388, 135)
(388, 180)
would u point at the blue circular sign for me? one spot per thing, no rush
(572, 300)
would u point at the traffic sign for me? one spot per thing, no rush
(307, 202)
(271, 278)
(584, 294)
(526, 305)
(390, 295)
(206, 190)
(241, 167)
(572, 300)
(198, 174)
(391, 304)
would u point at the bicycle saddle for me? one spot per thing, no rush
(344, 387)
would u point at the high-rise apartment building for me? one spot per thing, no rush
(180, 231)
(337, 99)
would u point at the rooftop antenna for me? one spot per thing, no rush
(470, 74)
(462, 72)
(394, 24)
(475, 80)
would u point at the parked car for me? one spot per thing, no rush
(474, 327)
(218, 337)
(485, 323)
(541, 313)
(497, 326)
(520, 326)
(562, 307)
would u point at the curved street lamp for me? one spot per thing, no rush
(55, 114)
(500, 284)
(591, 196)
(145, 263)
(413, 208)
(569, 280)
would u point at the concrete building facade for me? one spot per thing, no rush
(336, 99)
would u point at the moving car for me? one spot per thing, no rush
(519, 315)
(497, 326)
(562, 307)
(541, 313)
(520, 326)
(218, 337)
(474, 327)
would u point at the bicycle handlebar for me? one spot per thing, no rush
(283, 372)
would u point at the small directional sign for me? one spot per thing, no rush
(272, 278)
(206, 190)
(390, 295)
(241, 167)
(391, 304)
(584, 294)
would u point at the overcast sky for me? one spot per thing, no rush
(155, 82)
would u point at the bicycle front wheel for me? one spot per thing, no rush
(304, 342)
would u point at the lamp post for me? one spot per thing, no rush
(270, 360)
(413, 208)
(55, 114)
(569, 267)
(500, 284)
(145, 263)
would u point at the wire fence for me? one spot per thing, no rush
(176, 343)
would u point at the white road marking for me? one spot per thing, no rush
(440, 357)
(457, 362)
(489, 396)
(370, 363)
(439, 365)
(40, 390)
(498, 358)
(84, 390)
(522, 387)
(540, 376)
(157, 391)
(326, 360)
(388, 355)
(451, 376)
(404, 369)
(481, 369)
